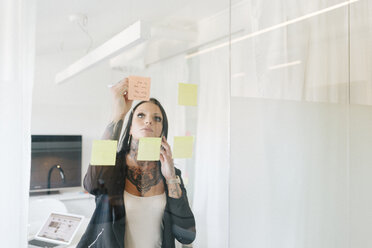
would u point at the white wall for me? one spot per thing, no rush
(80, 106)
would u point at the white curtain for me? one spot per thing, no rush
(211, 190)
(17, 19)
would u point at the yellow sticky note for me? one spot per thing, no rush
(149, 149)
(183, 146)
(187, 94)
(104, 152)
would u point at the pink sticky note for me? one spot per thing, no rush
(139, 88)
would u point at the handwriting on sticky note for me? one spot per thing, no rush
(104, 152)
(139, 88)
(187, 94)
(183, 146)
(149, 149)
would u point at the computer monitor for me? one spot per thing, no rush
(55, 162)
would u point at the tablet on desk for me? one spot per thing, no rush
(57, 231)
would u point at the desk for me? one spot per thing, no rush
(73, 201)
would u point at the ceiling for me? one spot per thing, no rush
(105, 18)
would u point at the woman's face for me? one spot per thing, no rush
(147, 121)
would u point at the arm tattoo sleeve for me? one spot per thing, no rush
(174, 191)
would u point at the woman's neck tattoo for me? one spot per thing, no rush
(144, 178)
(143, 175)
(133, 150)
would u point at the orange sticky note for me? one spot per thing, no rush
(139, 88)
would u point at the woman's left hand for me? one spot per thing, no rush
(167, 165)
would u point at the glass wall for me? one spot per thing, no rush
(281, 126)
(300, 124)
(182, 44)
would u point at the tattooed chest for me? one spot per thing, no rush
(143, 180)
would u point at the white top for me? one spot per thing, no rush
(144, 220)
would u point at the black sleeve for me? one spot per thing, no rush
(182, 218)
(105, 179)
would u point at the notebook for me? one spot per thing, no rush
(57, 231)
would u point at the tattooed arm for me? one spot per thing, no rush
(179, 211)
(105, 179)
(174, 190)
(168, 169)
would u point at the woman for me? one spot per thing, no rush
(139, 204)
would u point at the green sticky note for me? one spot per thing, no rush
(149, 149)
(183, 146)
(104, 152)
(187, 94)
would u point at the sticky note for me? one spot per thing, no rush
(183, 146)
(104, 152)
(149, 149)
(139, 88)
(187, 94)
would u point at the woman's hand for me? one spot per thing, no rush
(167, 165)
(121, 103)
(167, 169)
